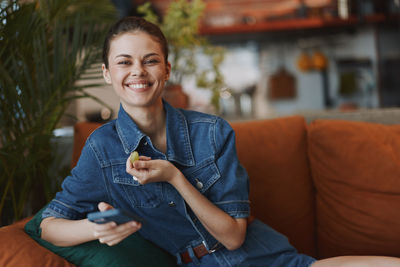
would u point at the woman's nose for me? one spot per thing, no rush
(137, 70)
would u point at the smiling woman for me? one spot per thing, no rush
(188, 184)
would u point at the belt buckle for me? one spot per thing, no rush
(210, 250)
(186, 258)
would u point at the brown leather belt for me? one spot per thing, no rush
(199, 252)
(201, 249)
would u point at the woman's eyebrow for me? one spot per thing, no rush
(150, 55)
(129, 56)
(123, 55)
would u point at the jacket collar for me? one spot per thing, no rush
(178, 142)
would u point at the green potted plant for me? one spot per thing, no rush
(180, 25)
(45, 47)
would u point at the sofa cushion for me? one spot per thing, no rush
(18, 249)
(274, 153)
(132, 251)
(356, 171)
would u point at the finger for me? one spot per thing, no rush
(143, 164)
(112, 227)
(117, 237)
(140, 175)
(129, 165)
(119, 233)
(102, 206)
(103, 229)
(135, 172)
(113, 241)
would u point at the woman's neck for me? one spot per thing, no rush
(152, 122)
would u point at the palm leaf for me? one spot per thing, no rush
(46, 46)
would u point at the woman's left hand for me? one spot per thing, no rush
(146, 170)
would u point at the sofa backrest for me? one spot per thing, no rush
(381, 115)
(353, 208)
(356, 172)
(274, 152)
(82, 130)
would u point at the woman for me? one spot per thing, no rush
(188, 185)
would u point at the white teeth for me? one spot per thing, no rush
(138, 86)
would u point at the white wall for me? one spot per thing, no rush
(104, 92)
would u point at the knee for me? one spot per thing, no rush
(358, 261)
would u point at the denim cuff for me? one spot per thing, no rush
(236, 209)
(59, 209)
(48, 212)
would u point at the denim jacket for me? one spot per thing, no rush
(201, 146)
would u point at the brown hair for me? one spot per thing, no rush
(131, 24)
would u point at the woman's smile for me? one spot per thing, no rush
(138, 86)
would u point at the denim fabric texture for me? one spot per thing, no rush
(202, 146)
(263, 247)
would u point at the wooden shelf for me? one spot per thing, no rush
(290, 24)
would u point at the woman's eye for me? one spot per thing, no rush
(124, 62)
(152, 61)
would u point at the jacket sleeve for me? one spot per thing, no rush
(231, 191)
(82, 190)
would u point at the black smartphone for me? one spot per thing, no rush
(114, 215)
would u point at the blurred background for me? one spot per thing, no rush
(290, 56)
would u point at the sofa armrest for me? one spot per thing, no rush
(19, 249)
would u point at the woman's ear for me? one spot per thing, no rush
(168, 71)
(106, 74)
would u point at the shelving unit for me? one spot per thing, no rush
(290, 24)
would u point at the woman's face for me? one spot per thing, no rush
(137, 69)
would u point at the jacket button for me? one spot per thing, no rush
(199, 184)
(171, 204)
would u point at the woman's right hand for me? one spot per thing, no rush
(111, 233)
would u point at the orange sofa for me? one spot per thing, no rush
(331, 186)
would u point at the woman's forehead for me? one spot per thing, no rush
(135, 42)
(135, 36)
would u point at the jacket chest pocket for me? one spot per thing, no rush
(203, 175)
(146, 196)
